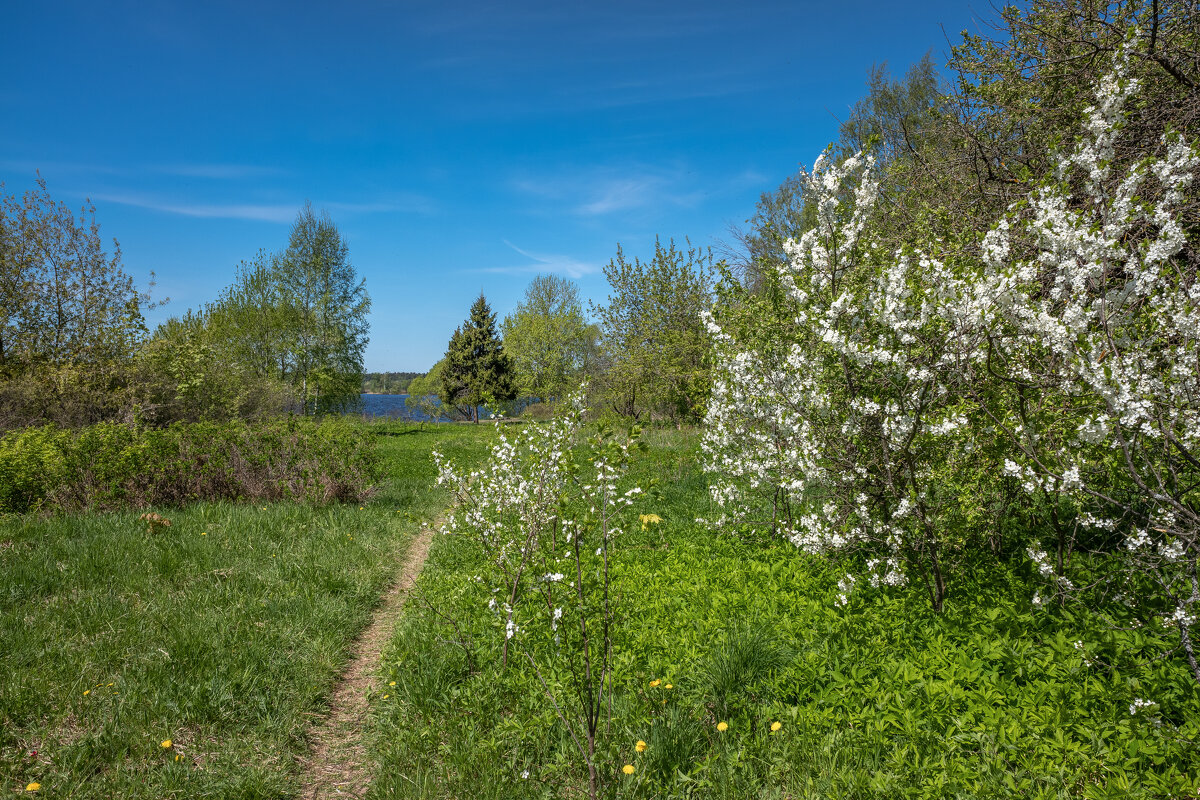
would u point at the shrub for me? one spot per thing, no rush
(111, 465)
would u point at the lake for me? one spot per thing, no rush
(391, 405)
(394, 406)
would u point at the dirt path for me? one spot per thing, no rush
(337, 764)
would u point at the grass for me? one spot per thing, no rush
(883, 699)
(225, 632)
(222, 633)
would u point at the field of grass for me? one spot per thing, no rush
(744, 679)
(221, 634)
(225, 633)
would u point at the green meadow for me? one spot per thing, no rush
(744, 679)
(191, 661)
(221, 634)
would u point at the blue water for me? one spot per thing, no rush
(395, 407)
(391, 405)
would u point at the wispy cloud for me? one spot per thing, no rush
(266, 212)
(597, 192)
(545, 263)
(248, 211)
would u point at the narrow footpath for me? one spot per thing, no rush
(337, 764)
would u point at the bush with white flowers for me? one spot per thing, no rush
(1059, 355)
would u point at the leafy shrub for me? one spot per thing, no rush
(111, 465)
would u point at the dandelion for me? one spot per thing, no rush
(775, 726)
(640, 746)
(33, 787)
(627, 769)
(165, 743)
(386, 696)
(178, 757)
(722, 726)
(86, 692)
(668, 686)
(393, 683)
(654, 683)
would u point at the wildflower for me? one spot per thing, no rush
(386, 696)
(393, 683)
(775, 726)
(627, 769)
(165, 743)
(525, 774)
(86, 692)
(640, 746)
(722, 726)
(668, 686)
(178, 757)
(33, 787)
(1138, 704)
(655, 683)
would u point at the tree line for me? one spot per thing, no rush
(287, 335)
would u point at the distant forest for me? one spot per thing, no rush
(388, 382)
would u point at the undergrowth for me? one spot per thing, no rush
(743, 678)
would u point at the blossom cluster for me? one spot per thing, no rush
(1068, 341)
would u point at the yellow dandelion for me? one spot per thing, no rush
(393, 683)
(722, 726)
(386, 696)
(177, 757)
(654, 683)
(86, 692)
(165, 743)
(775, 726)
(640, 746)
(669, 686)
(33, 787)
(627, 769)
(204, 533)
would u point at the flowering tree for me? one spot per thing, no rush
(1063, 347)
(1095, 303)
(836, 432)
(544, 523)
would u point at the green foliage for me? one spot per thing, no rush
(288, 334)
(329, 304)
(110, 465)
(424, 391)
(70, 317)
(477, 369)
(653, 347)
(548, 339)
(883, 699)
(388, 382)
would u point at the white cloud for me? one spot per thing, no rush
(545, 263)
(256, 212)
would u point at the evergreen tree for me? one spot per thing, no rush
(477, 370)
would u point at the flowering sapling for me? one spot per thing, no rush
(544, 515)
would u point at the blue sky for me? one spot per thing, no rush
(459, 147)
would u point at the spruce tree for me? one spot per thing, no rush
(478, 371)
